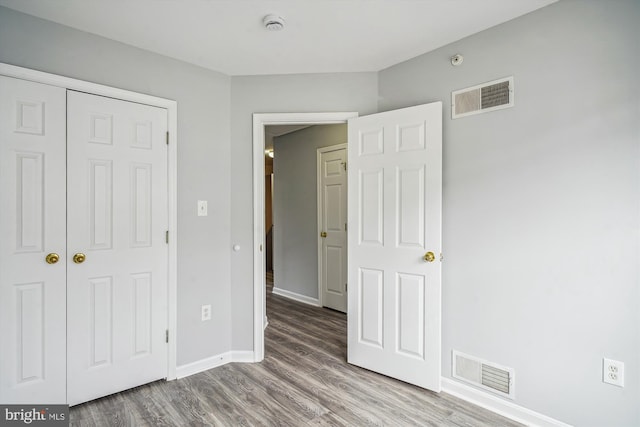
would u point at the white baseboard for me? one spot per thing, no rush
(296, 297)
(243, 356)
(213, 362)
(203, 365)
(499, 406)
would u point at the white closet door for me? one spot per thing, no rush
(117, 219)
(32, 225)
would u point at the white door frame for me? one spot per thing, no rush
(321, 151)
(259, 122)
(172, 109)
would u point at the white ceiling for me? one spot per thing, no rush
(320, 35)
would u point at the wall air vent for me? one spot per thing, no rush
(483, 374)
(482, 98)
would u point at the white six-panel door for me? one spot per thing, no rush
(394, 208)
(32, 226)
(333, 225)
(83, 257)
(117, 219)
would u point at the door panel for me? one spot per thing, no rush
(410, 306)
(117, 218)
(370, 207)
(101, 196)
(370, 306)
(410, 207)
(333, 211)
(32, 225)
(394, 210)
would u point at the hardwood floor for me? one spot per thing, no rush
(304, 380)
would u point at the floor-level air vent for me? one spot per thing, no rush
(482, 98)
(483, 374)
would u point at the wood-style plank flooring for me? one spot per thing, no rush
(304, 380)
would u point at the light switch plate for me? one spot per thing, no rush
(202, 208)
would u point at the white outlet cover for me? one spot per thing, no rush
(613, 372)
(202, 208)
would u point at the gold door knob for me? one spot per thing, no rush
(52, 258)
(79, 258)
(323, 234)
(429, 257)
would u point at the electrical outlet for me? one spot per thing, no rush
(206, 312)
(613, 372)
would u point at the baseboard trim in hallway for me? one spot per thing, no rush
(297, 297)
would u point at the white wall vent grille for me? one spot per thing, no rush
(482, 98)
(487, 375)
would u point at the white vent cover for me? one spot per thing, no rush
(482, 98)
(483, 374)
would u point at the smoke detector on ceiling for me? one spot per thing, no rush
(273, 22)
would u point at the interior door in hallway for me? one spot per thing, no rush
(32, 242)
(332, 211)
(117, 270)
(395, 204)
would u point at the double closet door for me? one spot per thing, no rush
(83, 256)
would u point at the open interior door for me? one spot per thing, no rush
(394, 211)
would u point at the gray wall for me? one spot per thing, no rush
(541, 204)
(275, 94)
(295, 210)
(203, 98)
(541, 201)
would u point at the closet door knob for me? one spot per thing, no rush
(79, 258)
(429, 257)
(52, 258)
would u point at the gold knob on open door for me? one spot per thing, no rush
(52, 258)
(323, 234)
(79, 258)
(429, 257)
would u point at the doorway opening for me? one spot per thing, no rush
(260, 124)
(272, 132)
(306, 215)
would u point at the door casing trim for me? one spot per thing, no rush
(172, 126)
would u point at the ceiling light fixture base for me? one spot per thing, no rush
(273, 22)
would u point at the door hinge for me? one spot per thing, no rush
(167, 137)
(345, 226)
(166, 336)
(346, 287)
(166, 236)
(344, 165)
